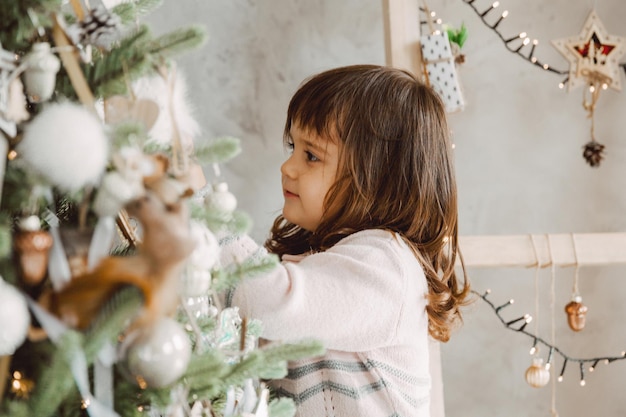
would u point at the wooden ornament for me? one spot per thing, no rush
(593, 55)
(576, 314)
(537, 375)
(32, 248)
(119, 109)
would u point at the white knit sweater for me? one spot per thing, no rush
(365, 299)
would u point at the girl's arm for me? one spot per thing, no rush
(353, 296)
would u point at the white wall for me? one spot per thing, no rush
(519, 167)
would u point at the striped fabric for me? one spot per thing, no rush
(354, 384)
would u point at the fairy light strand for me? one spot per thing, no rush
(520, 40)
(552, 349)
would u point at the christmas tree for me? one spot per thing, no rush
(111, 278)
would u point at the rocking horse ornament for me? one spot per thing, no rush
(594, 57)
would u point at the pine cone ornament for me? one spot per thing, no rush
(100, 28)
(593, 152)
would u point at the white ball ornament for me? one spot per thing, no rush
(67, 144)
(14, 319)
(160, 355)
(221, 199)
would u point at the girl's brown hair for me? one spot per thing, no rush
(395, 173)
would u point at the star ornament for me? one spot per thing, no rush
(593, 55)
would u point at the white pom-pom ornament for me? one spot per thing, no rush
(67, 144)
(14, 319)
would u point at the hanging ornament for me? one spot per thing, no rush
(100, 28)
(575, 309)
(66, 143)
(221, 199)
(32, 246)
(594, 58)
(159, 355)
(593, 152)
(41, 71)
(537, 375)
(119, 109)
(593, 53)
(14, 319)
(576, 313)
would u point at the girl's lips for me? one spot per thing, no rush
(289, 194)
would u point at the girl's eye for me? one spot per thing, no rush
(311, 158)
(290, 147)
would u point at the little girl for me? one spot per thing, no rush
(368, 243)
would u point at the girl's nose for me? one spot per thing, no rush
(288, 168)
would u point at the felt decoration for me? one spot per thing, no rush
(14, 319)
(40, 73)
(66, 144)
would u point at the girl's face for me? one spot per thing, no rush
(307, 175)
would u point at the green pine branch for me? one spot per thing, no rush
(232, 275)
(282, 407)
(177, 41)
(56, 382)
(219, 150)
(131, 10)
(235, 223)
(17, 30)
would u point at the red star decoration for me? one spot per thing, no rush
(596, 47)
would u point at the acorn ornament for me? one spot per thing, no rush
(41, 70)
(537, 375)
(32, 246)
(576, 313)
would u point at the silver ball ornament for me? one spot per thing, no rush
(160, 354)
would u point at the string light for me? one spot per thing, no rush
(493, 6)
(593, 367)
(508, 303)
(549, 361)
(502, 17)
(517, 50)
(582, 375)
(560, 379)
(539, 341)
